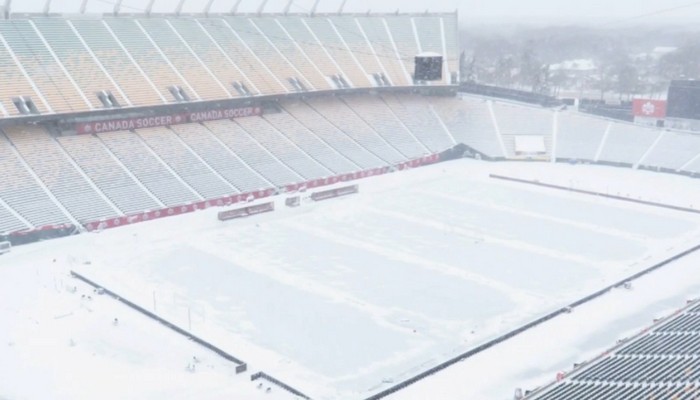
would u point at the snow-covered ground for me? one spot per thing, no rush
(341, 299)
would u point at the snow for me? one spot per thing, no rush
(341, 298)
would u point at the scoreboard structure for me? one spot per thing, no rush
(683, 109)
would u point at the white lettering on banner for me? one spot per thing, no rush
(163, 120)
(227, 113)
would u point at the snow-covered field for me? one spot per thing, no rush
(342, 298)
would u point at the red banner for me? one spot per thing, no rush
(127, 124)
(649, 108)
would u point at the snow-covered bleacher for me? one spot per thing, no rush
(674, 151)
(117, 63)
(627, 143)
(224, 161)
(413, 112)
(310, 144)
(20, 190)
(108, 174)
(65, 181)
(153, 173)
(253, 153)
(185, 163)
(65, 63)
(662, 363)
(41, 68)
(283, 149)
(343, 118)
(469, 119)
(377, 114)
(330, 134)
(516, 120)
(579, 136)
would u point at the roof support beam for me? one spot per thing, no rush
(234, 10)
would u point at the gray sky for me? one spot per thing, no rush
(471, 11)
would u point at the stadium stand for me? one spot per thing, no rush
(23, 192)
(673, 151)
(346, 31)
(420, 120)
(225, 162)
(579, 137)
(626, 144)
(343, 118)
(65, 181)
(185, 163)
(377, 114)
(148, 168)
(138, 88)
(110, 176)
(514, 121)
(377, 33)
(333, 136)
(469, 119)
(661, 363)
(253, 154)
(310, 144)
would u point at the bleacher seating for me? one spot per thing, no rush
(148, 58)
(470, 122)
(310, 144)
(41, 67)
(15, 84)
(19, 190)
(347, 29)
(673, 151)
(516, 120)
(149, 170)
(418, 117)
(279, 66)
(181, 56)
(199, 176)
(108, 174)
(661, 363)
(334, 45)
(330, 134)
(225, 162)
(253, 154)
(377, 114)
(118, 64)
(579, 136)
(382, 45)
(77, 60)
(627, 143)
(282, 148)
(401, 30)
(288, 48)
(343, 118)
(63, 179)
(222, 66)
(9, 222)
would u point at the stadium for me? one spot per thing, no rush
(283, 206)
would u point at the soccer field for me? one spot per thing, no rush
(342, 298)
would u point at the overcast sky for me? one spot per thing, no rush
(471, 11)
